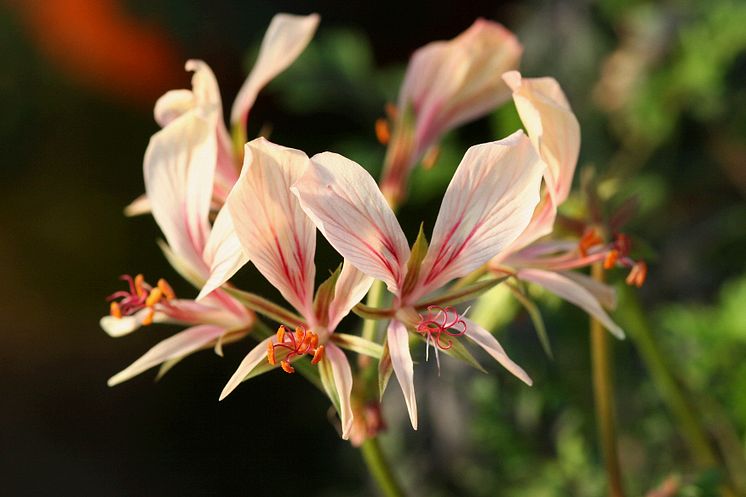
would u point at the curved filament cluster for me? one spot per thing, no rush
(296, 344)
(441, 325)
(617, 255)
(140, 295)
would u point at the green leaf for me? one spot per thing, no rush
(327, 380)
(419, 251)
(385, 369)
(325, 295)
(358, 344)
(535, 315)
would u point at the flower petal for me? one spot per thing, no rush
(552, 127)
(347, 207)
(178, 345)
(285, 39)
(489, 343)
(343, 381)
(118, 327)
(273, 230)
(252, 359)
(223, 253)
(401, 359)
(351, 287)
(574, 293)
(489, 202)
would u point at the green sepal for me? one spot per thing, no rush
(358, 344)
(374, 313)
(327, 381)
(419, 251)
(324, 296)
(385, 368)
(457, 296)
(535, 315)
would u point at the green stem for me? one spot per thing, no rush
(380, 469)
(604, 399)
(375, 297)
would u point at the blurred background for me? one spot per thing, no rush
(659, 91)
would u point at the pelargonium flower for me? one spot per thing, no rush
(285, 39)
(447, 83)
(487, 205)
(280, 240)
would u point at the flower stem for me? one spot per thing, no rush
(603, 390)
(380, 469)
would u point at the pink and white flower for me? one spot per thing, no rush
(487, 205)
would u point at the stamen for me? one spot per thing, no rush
(590, 238)
(168, 292)
(638, 274)
(383, 132)
(139, 281)
(148, 319)
(296, 344)
(140, 295)
(439, 328)
(611, 259)
(392, 111)
(115, 310)
(154, 297)
(431, 158)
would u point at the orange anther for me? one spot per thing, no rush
(611, 259)
(287, 367)
(281, 334)
(300, 332)
(638, 274)
(392, 111)
(589, 239)
(139, 280)
(148, 319)
(271, 353)
(318, 355)
(383, 133)
(115, 310)
(155, 296)
(168, 292)
(314, 340)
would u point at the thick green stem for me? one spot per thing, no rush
(380, 469)
(604, 399)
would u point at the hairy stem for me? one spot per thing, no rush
(380, 469)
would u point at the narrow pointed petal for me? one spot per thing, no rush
(488, 204)
(350, 289)
(138, 207)
(489, 343)
(605, 294)
(552, 127)
(346, 205)
(223, 253)
(343, 380)
(286, 38)
(252, 360)
(569, 290)
(275, 233)
(401, 359)
(179, 345)
(179, 168)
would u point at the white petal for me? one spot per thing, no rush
(401, 359)
(139, 206)
(275, 233)
(173, 104)
(552, 127)
(489, 202)
(351, 287)
(567, 289)
(286, 38)
(351, 212)
(343, 382)
(117, 327)
(179, 345)
(223, 253)
(489, 343)
(252, 359)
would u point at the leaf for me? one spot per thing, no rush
(419, 251)
(325, 295)
(535, 315)
(358, 344)
(327, 380)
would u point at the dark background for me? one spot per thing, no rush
(78, 82)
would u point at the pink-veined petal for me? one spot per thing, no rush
(179, 168)
(252, 360)
(223, 253)
(569, 290)
(343, 381)
(178, 345)
(541, 224)
(401, 360)
(351, 287)
(552, 127)
(489, 343)
(489, 202)
(285, 39)
(346, 205)
(275, 233)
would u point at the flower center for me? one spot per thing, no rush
(140, 295)
(293, 345)
(441, 325)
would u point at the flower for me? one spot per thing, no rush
(285, 39)
(488, 203)
(447, 83)
(280, 240)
